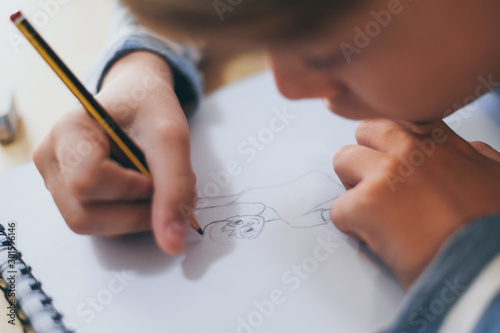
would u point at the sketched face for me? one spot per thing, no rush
(242, 227)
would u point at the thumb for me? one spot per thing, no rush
(486, 150)
(174, 197)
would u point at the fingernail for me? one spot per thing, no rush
(177, 229)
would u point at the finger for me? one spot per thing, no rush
(83, 154)
(354, 163)
(343, 216)
(382, 135)
(102, 218)
(108, 181)
(79, 143)
(174, 198)
(46, 163)
(486, 150)
(73, 143)
(108, 218)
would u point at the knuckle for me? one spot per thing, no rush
(368, 196)
(39, 156)
(59, 128)
(79, 222)
(192, 191)
(365, 125)
(128, 186)
(390, 164)
(363, 128)
(81, 184)
(66, 125)
(194, 180)
(190, 180)
(337, 213)
(183, 187)
(171, 131)
(342, 216)
(407, 144)
(131, 181)
(341, 154)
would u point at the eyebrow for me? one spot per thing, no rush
(331, 60)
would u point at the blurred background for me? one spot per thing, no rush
(77, 30)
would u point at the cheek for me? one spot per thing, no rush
(411, 75)
(296, 81)
(389, 90)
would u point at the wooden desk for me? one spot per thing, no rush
(41, 99)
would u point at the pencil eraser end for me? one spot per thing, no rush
(16, 16)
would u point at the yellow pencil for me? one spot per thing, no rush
(127, 150)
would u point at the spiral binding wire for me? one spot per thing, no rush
(33, 307)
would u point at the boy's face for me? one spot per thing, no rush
(402, 60)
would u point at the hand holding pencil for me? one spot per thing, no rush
(94, 193)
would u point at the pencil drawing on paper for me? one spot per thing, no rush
(300, 203)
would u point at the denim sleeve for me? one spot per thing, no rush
(449, 277)
(127, 37)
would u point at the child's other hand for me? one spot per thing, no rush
(408, 192)
(98, 196)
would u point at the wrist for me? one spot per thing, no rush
(138, 82)
(140, 67)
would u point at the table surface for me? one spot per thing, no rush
(41, 99)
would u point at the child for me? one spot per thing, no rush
(400, 64)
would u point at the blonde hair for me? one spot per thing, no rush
(261, 20)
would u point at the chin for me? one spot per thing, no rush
(352, 113)
(356, 112)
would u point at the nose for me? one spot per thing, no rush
(295, 80)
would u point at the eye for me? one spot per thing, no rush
(328, 61)
(239, 222)
(249, 230)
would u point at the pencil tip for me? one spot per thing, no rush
(200, 231)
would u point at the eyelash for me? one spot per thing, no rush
(321, 65)
(328, 62)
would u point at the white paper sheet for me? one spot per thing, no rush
(270, 261)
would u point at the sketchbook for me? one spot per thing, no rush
(270, 260)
